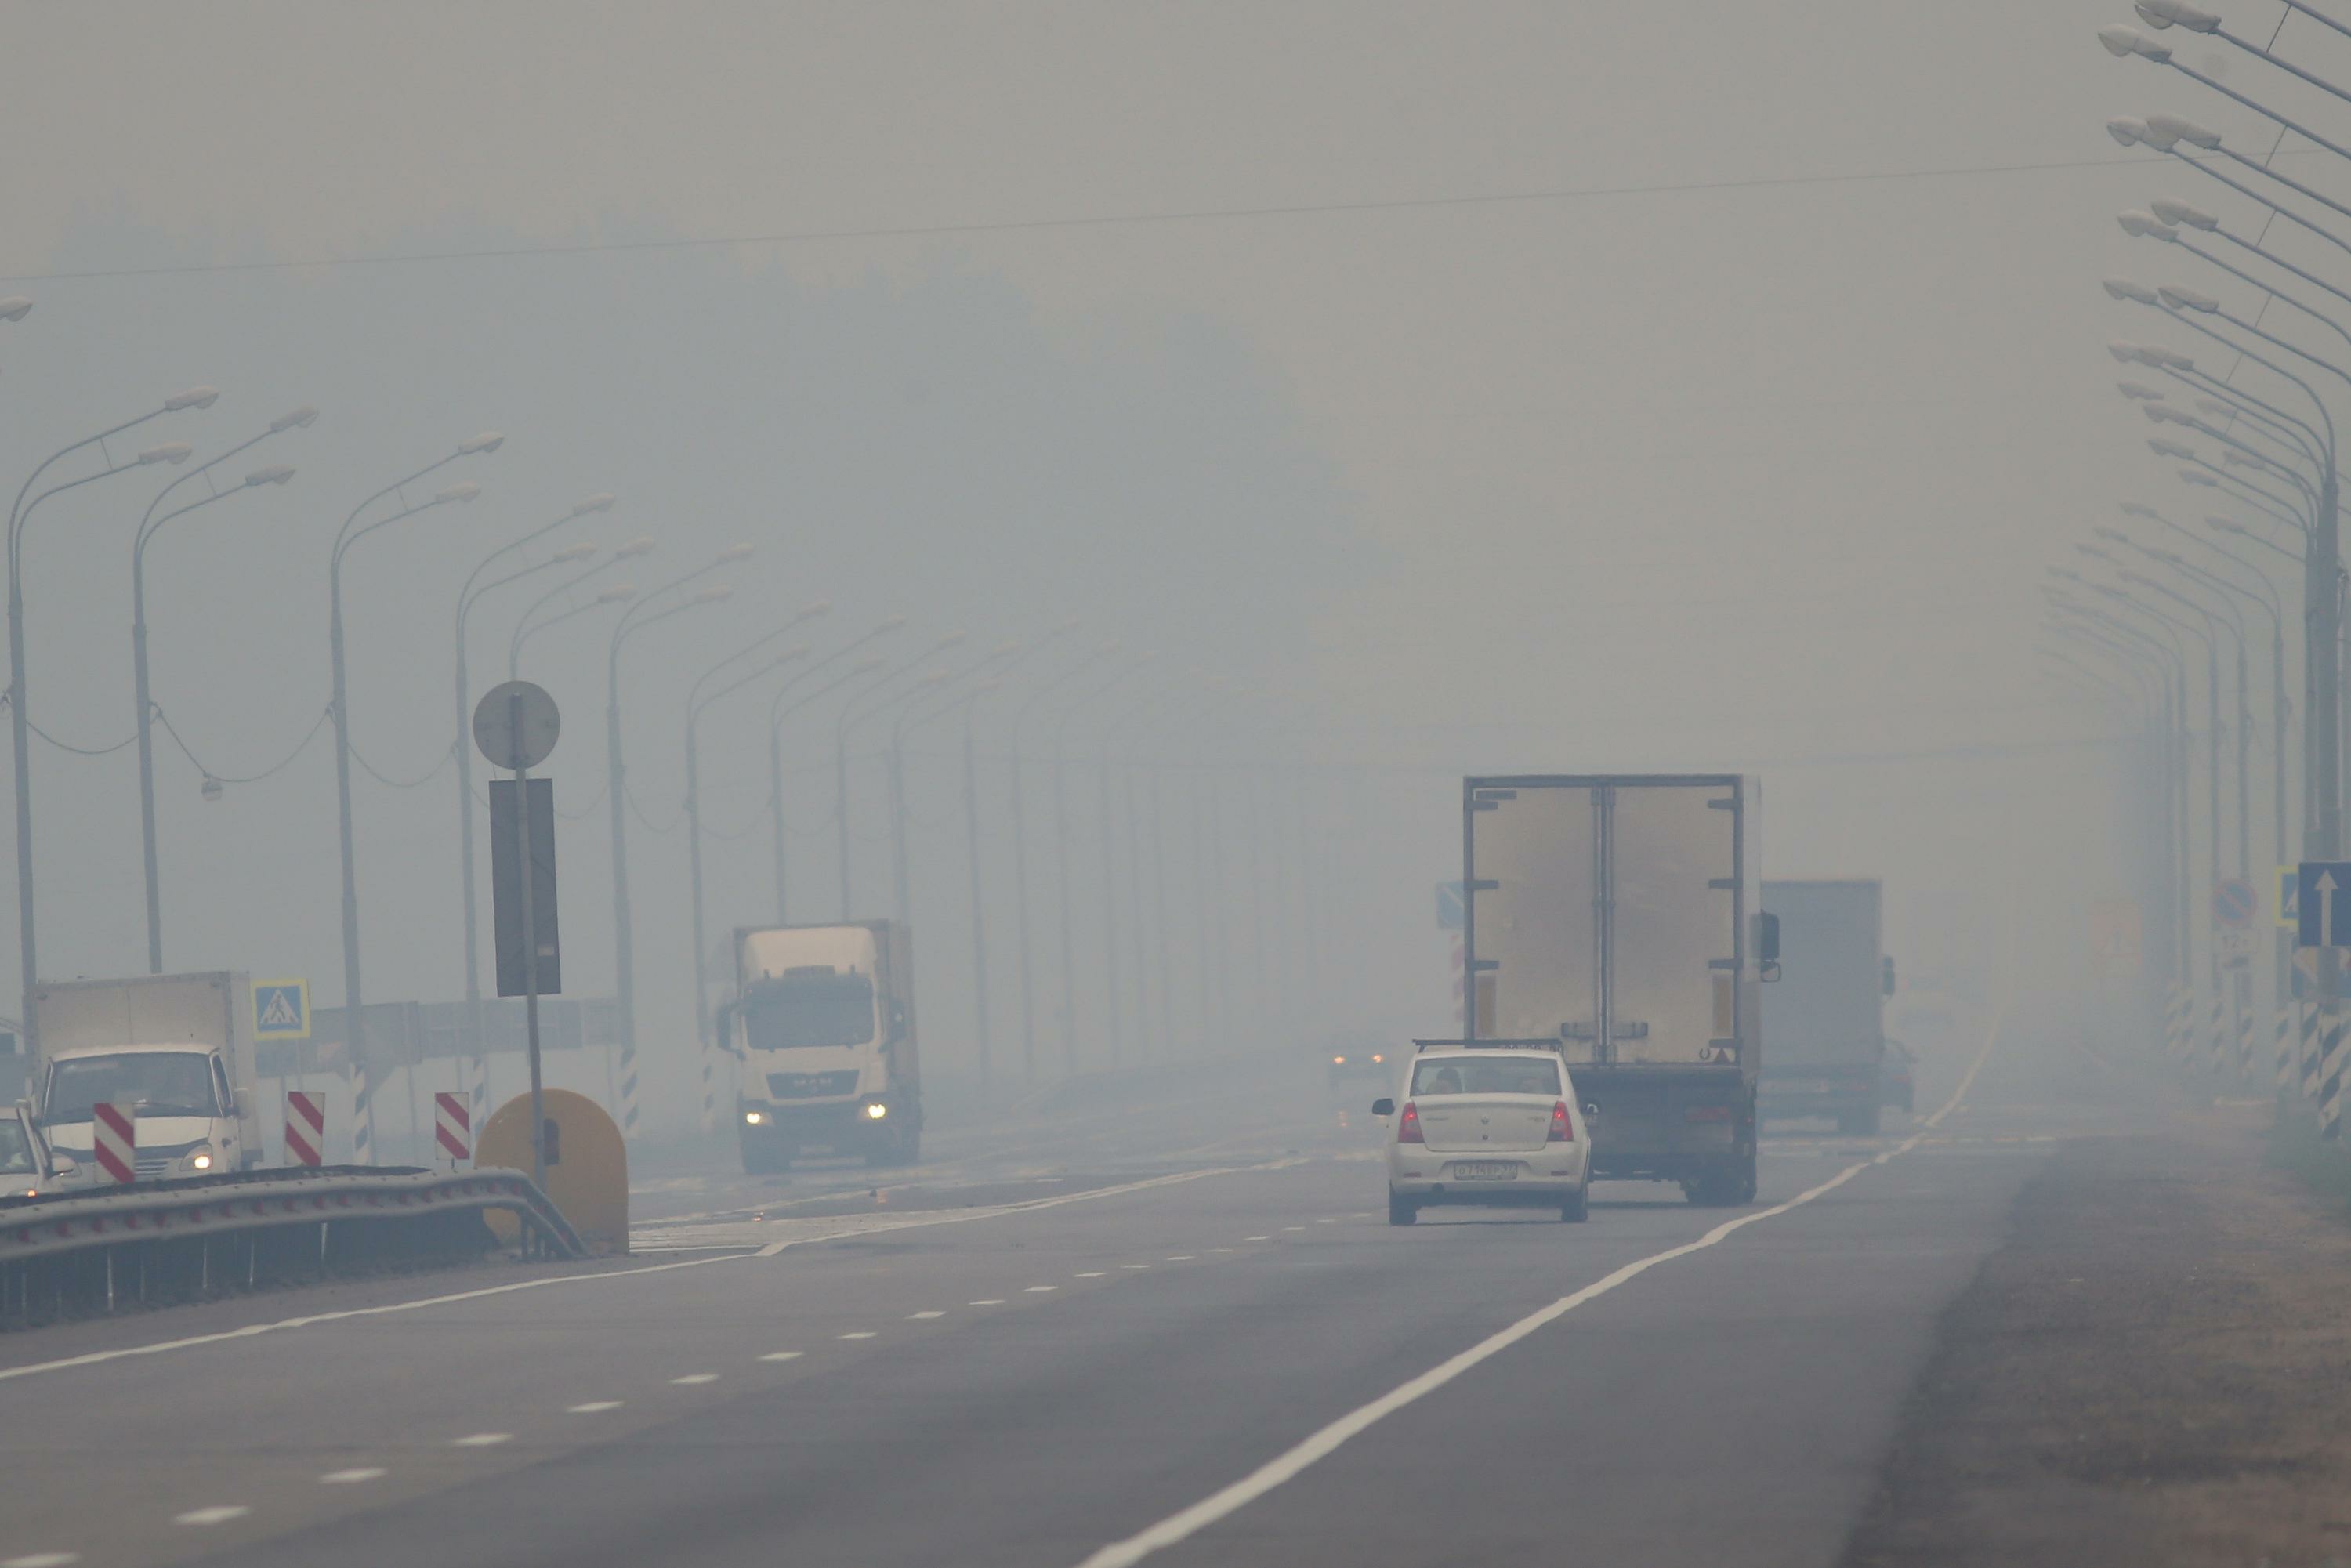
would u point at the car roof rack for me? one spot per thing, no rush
(1542, 1044)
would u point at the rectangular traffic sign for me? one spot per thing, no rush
(2288, 912)
(2324, 902)
(1452, 908)
(281, 1010)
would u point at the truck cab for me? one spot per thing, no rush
(190, 1117)
(822, 1028)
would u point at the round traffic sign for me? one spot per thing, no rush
(2233, 904)
(516, 724)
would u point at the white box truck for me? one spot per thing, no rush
(1824, 1023)
(1617, 915)
(821, 1029)
(178, 1049)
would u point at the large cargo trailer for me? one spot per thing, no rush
(1826, 1022)
(1618, 916)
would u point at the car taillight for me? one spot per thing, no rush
(1408, 1126)
(1706, 1113)
(1563, 1131)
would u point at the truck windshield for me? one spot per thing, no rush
(799, 1010)
(1486, 1075)
(158, 1082)
(16, 1149)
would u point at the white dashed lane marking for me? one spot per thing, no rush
(692, 1378)
(350, 1478)
(1293, 1227)
(1134, 1265)
(219, 1513)
(859, 1333)
(991, 1301)
(781, 1355)
(481, 1440)
(1040, 1289)
(1257, 1237)
(1090, 1274)
(919, 1317)
(594, 1407)
(43, 1560)
(1181, 1258)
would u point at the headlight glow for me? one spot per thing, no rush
(200, 1160)
(755, 1117)
(876, 1111)
(1338, 1061)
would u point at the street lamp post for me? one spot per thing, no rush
(354, 1033)
(1061, 864)
(848, 719)
(275, 474)
(781, 710)
(19, 722)
(632, 620)
(1021, 861)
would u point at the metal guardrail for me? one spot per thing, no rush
(186, 1239)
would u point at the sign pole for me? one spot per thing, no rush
(529, 948)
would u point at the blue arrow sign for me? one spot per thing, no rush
(2325, 903)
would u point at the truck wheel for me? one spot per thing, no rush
(1577, 1209)
(1402, 1211)
(1722, 1187)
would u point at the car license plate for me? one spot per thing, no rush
(1486, 1170)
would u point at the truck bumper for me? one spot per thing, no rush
(1667, 1127)
(844, 1126)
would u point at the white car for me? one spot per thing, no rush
(1496, 1126)
(29, 1166)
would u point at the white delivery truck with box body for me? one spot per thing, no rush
(822, 1028)
(177, 1049)
(1616, 915)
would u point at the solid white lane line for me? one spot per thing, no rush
(351, 1478)
(481, 1440)
(219, 1513)
(594, 1407)
(781, 1355)
(1134, 1265)
(859, 1333)
(991, 1301)
(1321, 1445)
(1093, 1274)
(692, 1378)
(1039, 1290)
(99, 1357)
(1257, 1237)
(1293, 1227)
(921, 1317)
(43, 1560)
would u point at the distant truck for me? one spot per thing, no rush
(1824, 1023)
(177, 1049)
(1618, 915)
(822, 1028)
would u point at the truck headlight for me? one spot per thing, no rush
(876, 1111)
(754, 1118)
(200, 1158)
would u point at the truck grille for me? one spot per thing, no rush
(812, 1085)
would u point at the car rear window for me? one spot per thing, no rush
(1486, 1075)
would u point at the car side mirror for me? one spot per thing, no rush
(1383, 1107)
(722, 1024)
(241, 1101)
(1767, 938)
(62, 1166)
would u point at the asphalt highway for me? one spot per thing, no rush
(1196, 1342)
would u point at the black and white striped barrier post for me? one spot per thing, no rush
(2330, 1078)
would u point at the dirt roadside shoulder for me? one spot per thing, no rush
(2154, 1367)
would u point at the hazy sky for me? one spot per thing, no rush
(1531, 385)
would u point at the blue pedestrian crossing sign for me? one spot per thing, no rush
(2324, 900)
(2288, 912)
(281, 1010)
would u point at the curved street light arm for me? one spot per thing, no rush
(2273, 421)
(2187, 318)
